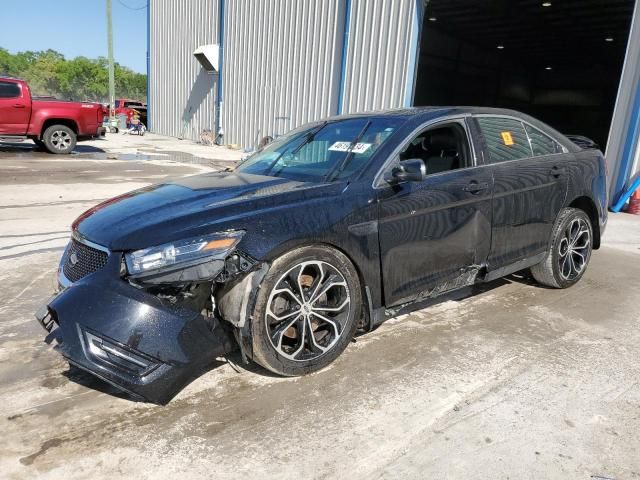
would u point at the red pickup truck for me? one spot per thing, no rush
(52, 124)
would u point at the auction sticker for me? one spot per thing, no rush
(346, 147)
(507, 138)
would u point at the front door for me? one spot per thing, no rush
(435, 234)
(15, 109)
(530, 187)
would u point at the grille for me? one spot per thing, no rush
(87, 260)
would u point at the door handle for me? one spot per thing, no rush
(475, 187)
(19, 105)
(557, 171)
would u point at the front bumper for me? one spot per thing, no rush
(131, 338)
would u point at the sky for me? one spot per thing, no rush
(77, 28)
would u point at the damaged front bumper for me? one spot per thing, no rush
(131, 338)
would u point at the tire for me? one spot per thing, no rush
(330, 309)
(569, 252)
(59, 139)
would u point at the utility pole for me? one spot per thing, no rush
(112, 79)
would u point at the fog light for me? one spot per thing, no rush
(114, 355)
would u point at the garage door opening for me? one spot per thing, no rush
(558, 60)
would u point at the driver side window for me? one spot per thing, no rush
(442, 148)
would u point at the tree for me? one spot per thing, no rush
(81, 78)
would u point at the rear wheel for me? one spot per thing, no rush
(306, 311)
(570, 250)
(59, 139)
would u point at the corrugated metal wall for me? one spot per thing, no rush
(281, 65)
(182, 95)
(382, 35)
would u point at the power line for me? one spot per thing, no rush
(133, 8)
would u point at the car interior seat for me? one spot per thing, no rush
(442, 151)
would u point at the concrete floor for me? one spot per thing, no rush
(516, 381)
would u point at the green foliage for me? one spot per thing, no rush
(81, 78)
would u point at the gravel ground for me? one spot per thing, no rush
(508, 381)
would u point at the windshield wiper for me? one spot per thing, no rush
(309, 138)
(338, 169)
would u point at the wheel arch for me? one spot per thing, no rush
(67, 122)
(364, 284)
(588, 206)
(236, 300)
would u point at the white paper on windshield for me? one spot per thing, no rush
(346, 147)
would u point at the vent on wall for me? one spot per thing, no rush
(208, 56)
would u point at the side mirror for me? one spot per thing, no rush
(411, 170)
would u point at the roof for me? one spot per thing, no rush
(442, 111)
(408, 112)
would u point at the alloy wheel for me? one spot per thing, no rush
(574, 249)
(60, 140)
(307, 310)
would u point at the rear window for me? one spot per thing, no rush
(506, 139)
(9, 90)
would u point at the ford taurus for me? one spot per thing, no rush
(326, 231)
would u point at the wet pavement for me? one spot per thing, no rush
(506, 381)
(129, 148)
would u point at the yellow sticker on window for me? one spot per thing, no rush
(507, 139)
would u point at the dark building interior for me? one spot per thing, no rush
(558, 60)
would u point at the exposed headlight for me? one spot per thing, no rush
(188, 252)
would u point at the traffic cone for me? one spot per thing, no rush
(634, 203)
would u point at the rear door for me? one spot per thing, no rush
(435, 234)
(15, 108)
(530, 187)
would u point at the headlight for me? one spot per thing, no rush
(188, 252)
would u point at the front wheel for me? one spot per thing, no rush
(306, 311)
(59, 139)
(569, 252)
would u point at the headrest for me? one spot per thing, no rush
(443, 141)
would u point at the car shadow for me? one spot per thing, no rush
(28, 147)
(85, 379)
(88, 380)
(87, 149)
(18, 147)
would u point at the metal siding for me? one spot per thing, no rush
(282, 63)
(379, 54)
(621, 169)
(282, 59)
(182, 95)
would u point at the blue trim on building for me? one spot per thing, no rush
(220, 64)
(345, 47)
(149, 65)
(414, 54)
(628, 154)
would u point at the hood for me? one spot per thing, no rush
(189, 207)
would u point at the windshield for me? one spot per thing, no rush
(323, 151)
